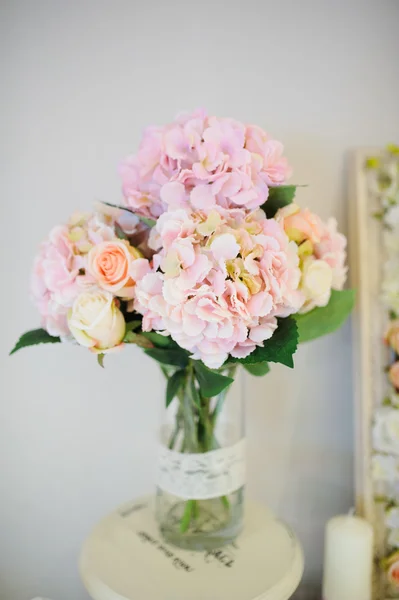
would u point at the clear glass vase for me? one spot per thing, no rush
(200, 493)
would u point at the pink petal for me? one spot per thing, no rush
(214, 361)
(218, 281)
(175, 143)
(152, 283)
(186, 253)
(173, 194)
(242, 350)
(260, 304)
(243, 197)
(226, 330)
(192, 325)
(172, 294)
(211, 331)
(225, 247)
(220, 182)
(232, 185)
(139, 268)
(194, 274)
(213, 312)
(260, 333)
(202, 197)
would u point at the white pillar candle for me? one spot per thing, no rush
(348, 559)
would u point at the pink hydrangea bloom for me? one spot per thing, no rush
(54, 282)
(219, 281)
(60, 268)
(202, 161)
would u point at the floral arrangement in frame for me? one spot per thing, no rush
(208, 265)
(374, 258)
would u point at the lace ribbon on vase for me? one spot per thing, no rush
(202, 476)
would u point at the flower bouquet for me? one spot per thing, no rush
(209, 266)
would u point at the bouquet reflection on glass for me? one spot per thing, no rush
(209, 266)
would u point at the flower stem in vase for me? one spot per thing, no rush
(213, 517)
(190, 511)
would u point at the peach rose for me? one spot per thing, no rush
(300, 224)
(392, 335)
(110, 265)
(393, 374)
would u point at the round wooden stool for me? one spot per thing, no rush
(125, 558)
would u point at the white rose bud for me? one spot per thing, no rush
(316, 283)
(96, 322)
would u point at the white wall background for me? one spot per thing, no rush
(80, 79)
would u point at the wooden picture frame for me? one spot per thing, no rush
(375, 397)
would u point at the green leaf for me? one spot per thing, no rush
(278, 197)
(280, 348)
(132, 325)
(174, 384)
(326, 319)
(34, 337)
(169, 356)
(119, 206)
(139, 340)
(194, 393)
(100, 359)
(120, 233)
(258, 369)
(145, 220)
(162, 341)
(211, 382)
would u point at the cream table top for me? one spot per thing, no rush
(125, 558)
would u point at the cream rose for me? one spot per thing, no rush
(96, 322)
(109, 263)
(315, 283)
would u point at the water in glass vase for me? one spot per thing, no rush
(200, 495)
